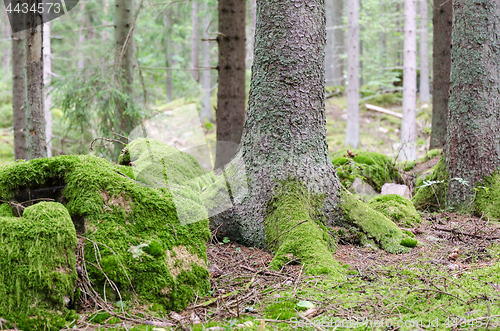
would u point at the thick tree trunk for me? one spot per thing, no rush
(206, 79)
(47, 77)
(473, 140)
(195, 41)
(352, 129)
(284, 135)
(124, 62)
(168, 53)
(231, 92)
(424, 54)
(441, 64)
(19, 94)
(35, 115)
(408, 125)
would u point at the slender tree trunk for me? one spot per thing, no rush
(81, 37)
(19, 94)
(35, 115)
(330, 44)
(7, 35)
(231, 91)
(338, 32)
(47, 77)
(352, 130)
(473, 141)
(168, 52)
(441, 64)
(251, 34)
(206, 79)
(195, 41)
(124, 61)
(408, 124)
(424, 54)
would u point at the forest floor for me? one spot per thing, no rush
(448, 282)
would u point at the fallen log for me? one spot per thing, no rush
(383, 110)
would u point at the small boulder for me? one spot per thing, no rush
(391, 188)
(363, 189)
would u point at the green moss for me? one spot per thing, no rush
(293, 231)
(487, 201)
(118, 214)
(409, 242)
(37, 266)
(430, 192)
(375, 168)
(395, 207)
(6, 210)
(374, 225)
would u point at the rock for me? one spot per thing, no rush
(391, 188)
(362, 188)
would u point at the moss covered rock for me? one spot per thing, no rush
(375, 168)
(133, 235)
(395, 207)
(37, 266)
(430, 189)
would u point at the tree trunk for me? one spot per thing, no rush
(408, 124)
(124, 62)
(441, 64)
(206, 79)
(473, 140)
(424, 54)
(47, 77)
(334, 43)
(231, 92)
(338, 32)
(251, 34)
(195, 41)
(35, 115)
(352, 129)
(81, 37)
(6, 34)
(19, 94)
(168, 53)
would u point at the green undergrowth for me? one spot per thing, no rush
(430, 188)
(400, 210)
(38, 266)
(132, 233)
(487, 200)
(374, 228)
(295, 233)
(414, 296)
(375, 168)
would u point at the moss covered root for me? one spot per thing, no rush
(38, 266)
(293, 231)
(400, 210)
(374, 227)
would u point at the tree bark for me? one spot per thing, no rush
(35, 115)
(441, 66)
(206, 79)
(251, 34)
(352, 129)
(168, 53)
(408, 125)
(47, 77)
(334, 43)
(195, 41)
(473, 141)
(284, 136)
(124, 62)
(19, 94)
(230, 113)
(424, 54)
(7, 35)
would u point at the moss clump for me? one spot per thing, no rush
(37, 266)
(409, 242)
(121, 216)
(400, 210)
(294, 232)
(375, 168)
(487, 201)
(430, 191)
(6, 210)
(374, 225)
